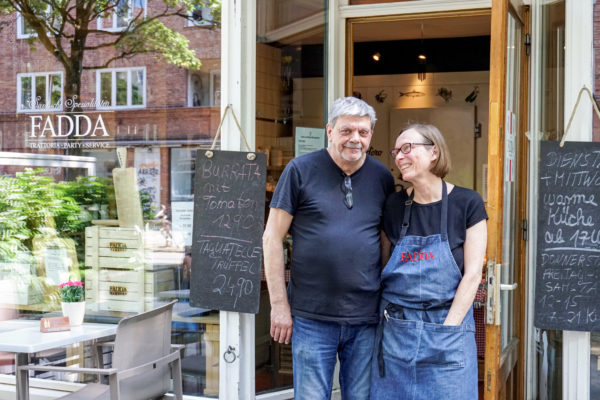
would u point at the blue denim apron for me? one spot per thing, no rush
(416, 356)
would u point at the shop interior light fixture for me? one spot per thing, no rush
(421, 60)
(376, 56)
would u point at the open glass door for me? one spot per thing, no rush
(507, 180)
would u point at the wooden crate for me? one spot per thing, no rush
(120, 274)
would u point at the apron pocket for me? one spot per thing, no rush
(442, 345)
(401, 339)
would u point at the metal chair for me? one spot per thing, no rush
(142, 362)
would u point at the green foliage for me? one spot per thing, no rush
(34, 205)
(155, 37)
(27, 207)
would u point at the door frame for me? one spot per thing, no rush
(500, 365)
(341, 23)
(339, 11)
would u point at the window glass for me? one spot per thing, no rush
(290, 93)
(40, 91)
(201, 16)
(26, 92)
(25, 29)
(56, 89)
(97, 171)
(129, 90)
(595, 365)
(123, 11)
(552, 36)
(121, 78)
(106, 87)
(137, 87)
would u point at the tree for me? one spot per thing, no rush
(64, 28)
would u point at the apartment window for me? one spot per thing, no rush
(121, 14)
(24, 30)
(204, 88)
(121, 88)
(201, 16)
(39, 91)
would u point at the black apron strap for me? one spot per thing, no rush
(444, 221)
(406, 219)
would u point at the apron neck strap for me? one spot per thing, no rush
(444, 221)
(406, 219)
(444, 217)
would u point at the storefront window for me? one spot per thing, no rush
(552, 51)
(290, 98)
(97, 175)
(595, 365)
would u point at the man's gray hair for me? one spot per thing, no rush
(353, 107)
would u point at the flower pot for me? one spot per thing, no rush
(75, 311)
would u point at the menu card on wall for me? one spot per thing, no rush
(568, 244)
(229, 212)
(308, 140)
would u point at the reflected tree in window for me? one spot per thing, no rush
(66, 29)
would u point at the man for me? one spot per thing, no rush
(331, 202)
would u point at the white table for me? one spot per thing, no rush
(23, 337)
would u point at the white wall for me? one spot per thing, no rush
(454, 118)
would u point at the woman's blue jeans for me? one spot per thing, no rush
(315, 345)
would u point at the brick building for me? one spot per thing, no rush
(167, 105)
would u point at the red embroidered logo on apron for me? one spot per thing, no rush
(406, 256)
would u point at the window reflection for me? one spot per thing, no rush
(550, 346)
(99, 188)
(290, 93)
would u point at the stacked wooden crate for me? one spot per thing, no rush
(120, 273)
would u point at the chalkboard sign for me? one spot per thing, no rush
(229, 212)
(567, 285)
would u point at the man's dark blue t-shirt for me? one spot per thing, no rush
(336, 257)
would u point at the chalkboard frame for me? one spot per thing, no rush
(229, 212)
(568, 250)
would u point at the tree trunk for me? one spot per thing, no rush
(72, 90)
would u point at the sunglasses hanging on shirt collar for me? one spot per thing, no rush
(347, 189)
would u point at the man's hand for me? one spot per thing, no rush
(281, 317)
(281, 324)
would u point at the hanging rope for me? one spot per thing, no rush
(237, 123)
(583, 89)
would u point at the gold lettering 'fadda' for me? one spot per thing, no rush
(117, 246)
(117, 290)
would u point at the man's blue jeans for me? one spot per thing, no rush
(314, 348)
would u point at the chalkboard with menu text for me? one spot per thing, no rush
(568, 244)
(229, 208)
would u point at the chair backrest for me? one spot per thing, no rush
(140, 339)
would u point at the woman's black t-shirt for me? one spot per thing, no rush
(465, 209)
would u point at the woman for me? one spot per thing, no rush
(426, 338)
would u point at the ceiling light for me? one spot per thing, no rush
(376, 56)
(422, 60)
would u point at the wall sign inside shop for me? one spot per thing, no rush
(567, 293)
(229, 208)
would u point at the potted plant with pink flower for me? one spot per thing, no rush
(72, 301)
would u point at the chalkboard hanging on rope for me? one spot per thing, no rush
(567, 289)
(229, 211)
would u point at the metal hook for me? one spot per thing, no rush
(229, 356)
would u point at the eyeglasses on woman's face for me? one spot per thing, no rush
(406, 148)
